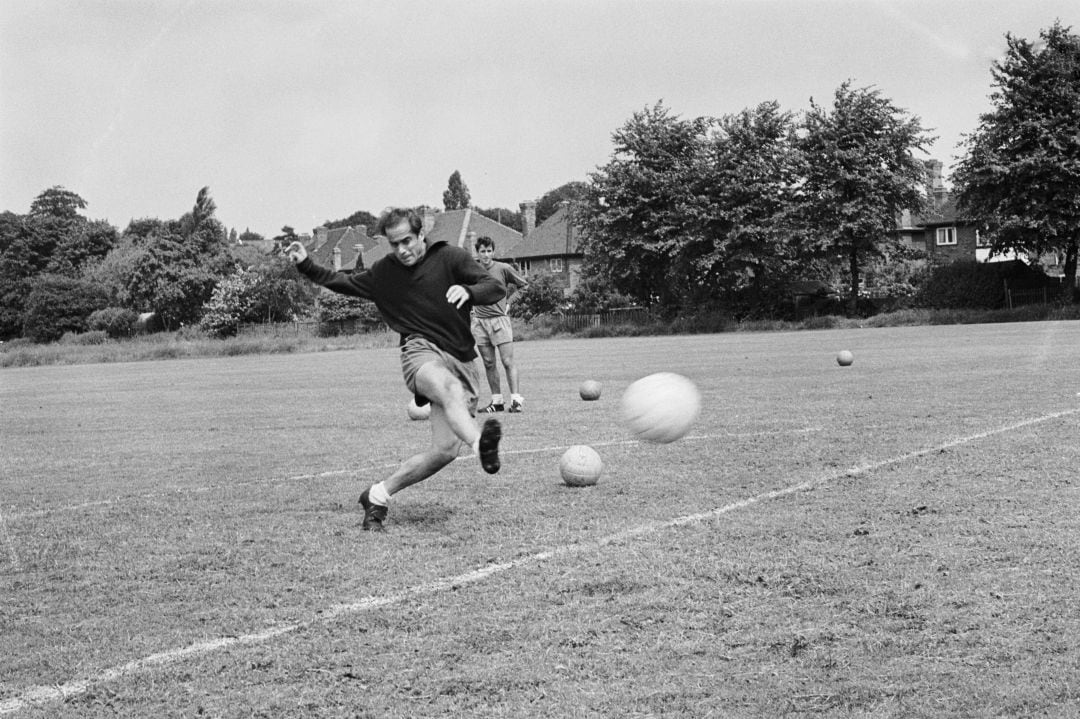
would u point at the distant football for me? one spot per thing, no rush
(660, 407)
(580, 466)
(844, 358)
(589, 390)
(417, 412)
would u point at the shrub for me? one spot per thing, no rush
(969, 284)
(93, 337)
(337, 312)
(596, 294)
(231, 303)
(60, 304)
(543, 294)
(116, 322)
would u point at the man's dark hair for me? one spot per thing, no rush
(394, 215)
(485, 241)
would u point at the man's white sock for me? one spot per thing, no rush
(378, 495)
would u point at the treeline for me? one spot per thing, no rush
(62, 272)
(727, 211)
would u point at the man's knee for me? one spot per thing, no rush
(439, 385)
(445, 451)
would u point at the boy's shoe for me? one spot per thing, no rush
(374, 514)
(491, 408)
(516, 405)
(489, 446)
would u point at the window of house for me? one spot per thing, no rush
(525, 266)
(555, 264)
(981, 241)
(946, 235)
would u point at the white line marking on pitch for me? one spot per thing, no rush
(37, 514)
(36, 696)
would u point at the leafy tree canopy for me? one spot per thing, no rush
(502, 215)
(360, 217)
(859, 172)
(57, 202)
(635, 218)
(549, 202)
(456, 196)
(1021, 168)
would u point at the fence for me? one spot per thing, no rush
(1037, 296)
(304, 329)
(617, 316)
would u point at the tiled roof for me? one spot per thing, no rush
(448, 227)
(944, 212)
(556, 236)
(323, 243)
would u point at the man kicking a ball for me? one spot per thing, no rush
(424, 293)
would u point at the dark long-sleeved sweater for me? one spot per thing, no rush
(412, 300)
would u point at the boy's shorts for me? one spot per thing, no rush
(492, 331)
(417, 352)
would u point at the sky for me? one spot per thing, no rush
(296, 112)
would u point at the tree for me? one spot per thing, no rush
(169, 267)
(52, 238)
(549, 202)
(83, 243)
(633, 220)
(60, 304)
(1021, 170)
(859, 173)
(502, 215)
(58, 203)
(360, 217)
(744, 248)
(456, 196)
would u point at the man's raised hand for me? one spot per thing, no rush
(296, 252)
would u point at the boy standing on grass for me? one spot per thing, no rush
(424, 293)
(493, 331)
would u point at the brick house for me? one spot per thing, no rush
(553, 247)
(944, 233)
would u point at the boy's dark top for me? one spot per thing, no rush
(412, 300)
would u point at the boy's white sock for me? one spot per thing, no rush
(378, 495)
(496, 399)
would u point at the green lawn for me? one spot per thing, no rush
(896, 538)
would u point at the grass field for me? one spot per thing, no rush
(897, 538)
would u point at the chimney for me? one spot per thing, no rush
(337, 259)
(937, 185)
(470, 241)
(528, 218)
(565, 205)
(362, 229)
(429, 219)
(320, 237)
